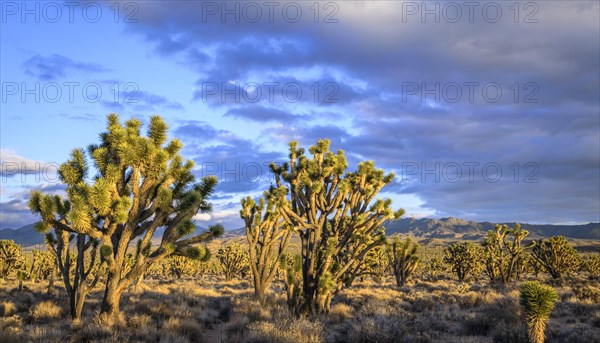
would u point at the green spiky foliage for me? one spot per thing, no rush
(402, 255)
(11, 258)
(503, 252)
(591, 265)
(464, 259)
(233, 259)
(537, 302)
(434, 267)
(42, 265)
(336, 215)
(375, 264)
(141, 184)
(291, 266)
(180, 266)
(556, 256)
(267, 236)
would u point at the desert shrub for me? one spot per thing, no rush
(587, 292)
(7, 308)
(46, 311)
(187, 327)
(287, 330)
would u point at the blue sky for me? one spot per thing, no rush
(493, 115)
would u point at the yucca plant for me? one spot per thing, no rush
(537, 301)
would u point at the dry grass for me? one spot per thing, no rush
(46, 311)
(224, 311)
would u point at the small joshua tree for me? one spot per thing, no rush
(591, 265)
(11, 258)
(376, 264)
(537, 302)
(291, 266)
(434, 267)
(464, 259)
(403, 258)
(234, 260)
(267, 236)
(503, 252)
(556, 256)
(183, 265)
(42, 265)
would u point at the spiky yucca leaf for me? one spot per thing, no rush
(537, 301)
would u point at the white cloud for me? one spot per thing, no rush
(203, 217)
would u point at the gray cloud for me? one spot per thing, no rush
(547, 114)
(53, 67)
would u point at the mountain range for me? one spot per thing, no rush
(424, 228)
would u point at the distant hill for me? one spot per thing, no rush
(424, 229)
(25, 236)
(455, 228)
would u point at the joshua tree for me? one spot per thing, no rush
(291, 265)
(591, 264)
(335, 214)
(11, 258)
(403, 258)
(234, 260)
(183, 265)
(42, 265)
(267, 236)
(556, 256)
(434, 267)
(375, 264)
(537, 301)
(142, 184)
(464, 259)
(503, 252)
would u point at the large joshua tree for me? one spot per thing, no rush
(335, 214)
(268, 237)
(142, 184)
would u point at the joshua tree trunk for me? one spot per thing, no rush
(112, 297)
(51, 279)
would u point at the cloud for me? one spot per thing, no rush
(13, 164)
(260, 114)
(240, 165)
(15, 213)
(53, 67)
(131, 99)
